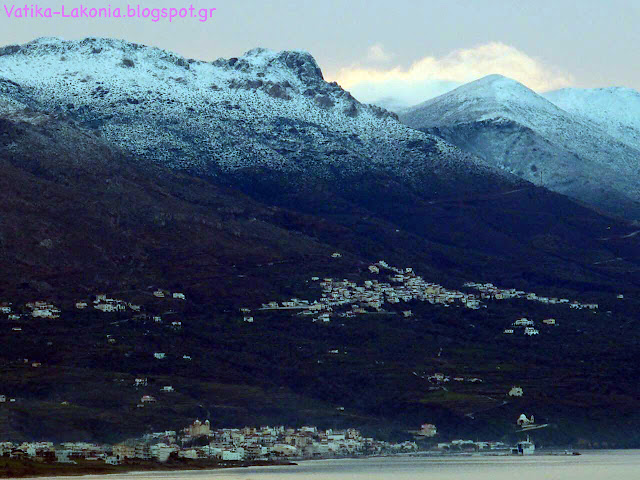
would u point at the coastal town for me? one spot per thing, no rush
(248, 445)
(199, 441)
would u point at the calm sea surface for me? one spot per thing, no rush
(609, 465)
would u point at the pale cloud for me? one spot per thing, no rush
(376, 53)
(431, 76)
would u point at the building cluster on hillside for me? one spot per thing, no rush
(200, 441)
(441, 378)
(106, 304)
(42, 309)
(528, 326)
(344, 298)
(46, 310)
(36, 309)
(490, 291)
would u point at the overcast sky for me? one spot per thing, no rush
(407, 49)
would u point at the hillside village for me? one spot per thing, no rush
(490, 291)
(346, 299)
(339, 298)
(387, 290)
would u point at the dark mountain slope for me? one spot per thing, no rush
(82, 216)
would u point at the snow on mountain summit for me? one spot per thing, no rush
(616, 109)
(491, 97)
(265, 109)
(515, 129)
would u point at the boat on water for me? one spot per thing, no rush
(525, 447)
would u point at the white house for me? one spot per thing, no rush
(232, 455)
(45, 312)
(515, 392)
(110, 307)
(523, 322)
(161, 451)
(428, 430)
(283, 450)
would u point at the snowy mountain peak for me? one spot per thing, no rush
(496, 82)
(263, 61)
(50, 45)
(560, 145)
(258, 66)
(493, 97)
(495, 87)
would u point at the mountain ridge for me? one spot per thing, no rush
(515, 129)
(615, 109)
(268, 84)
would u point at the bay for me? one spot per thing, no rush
(600, 465)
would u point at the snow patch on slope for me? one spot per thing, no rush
(616, 110)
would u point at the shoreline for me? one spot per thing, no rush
(26, 468)
(22, 468)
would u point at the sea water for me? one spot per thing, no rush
(599, 465)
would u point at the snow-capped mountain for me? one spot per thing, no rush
(265, 109)
(616, 110)
(517, 130)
